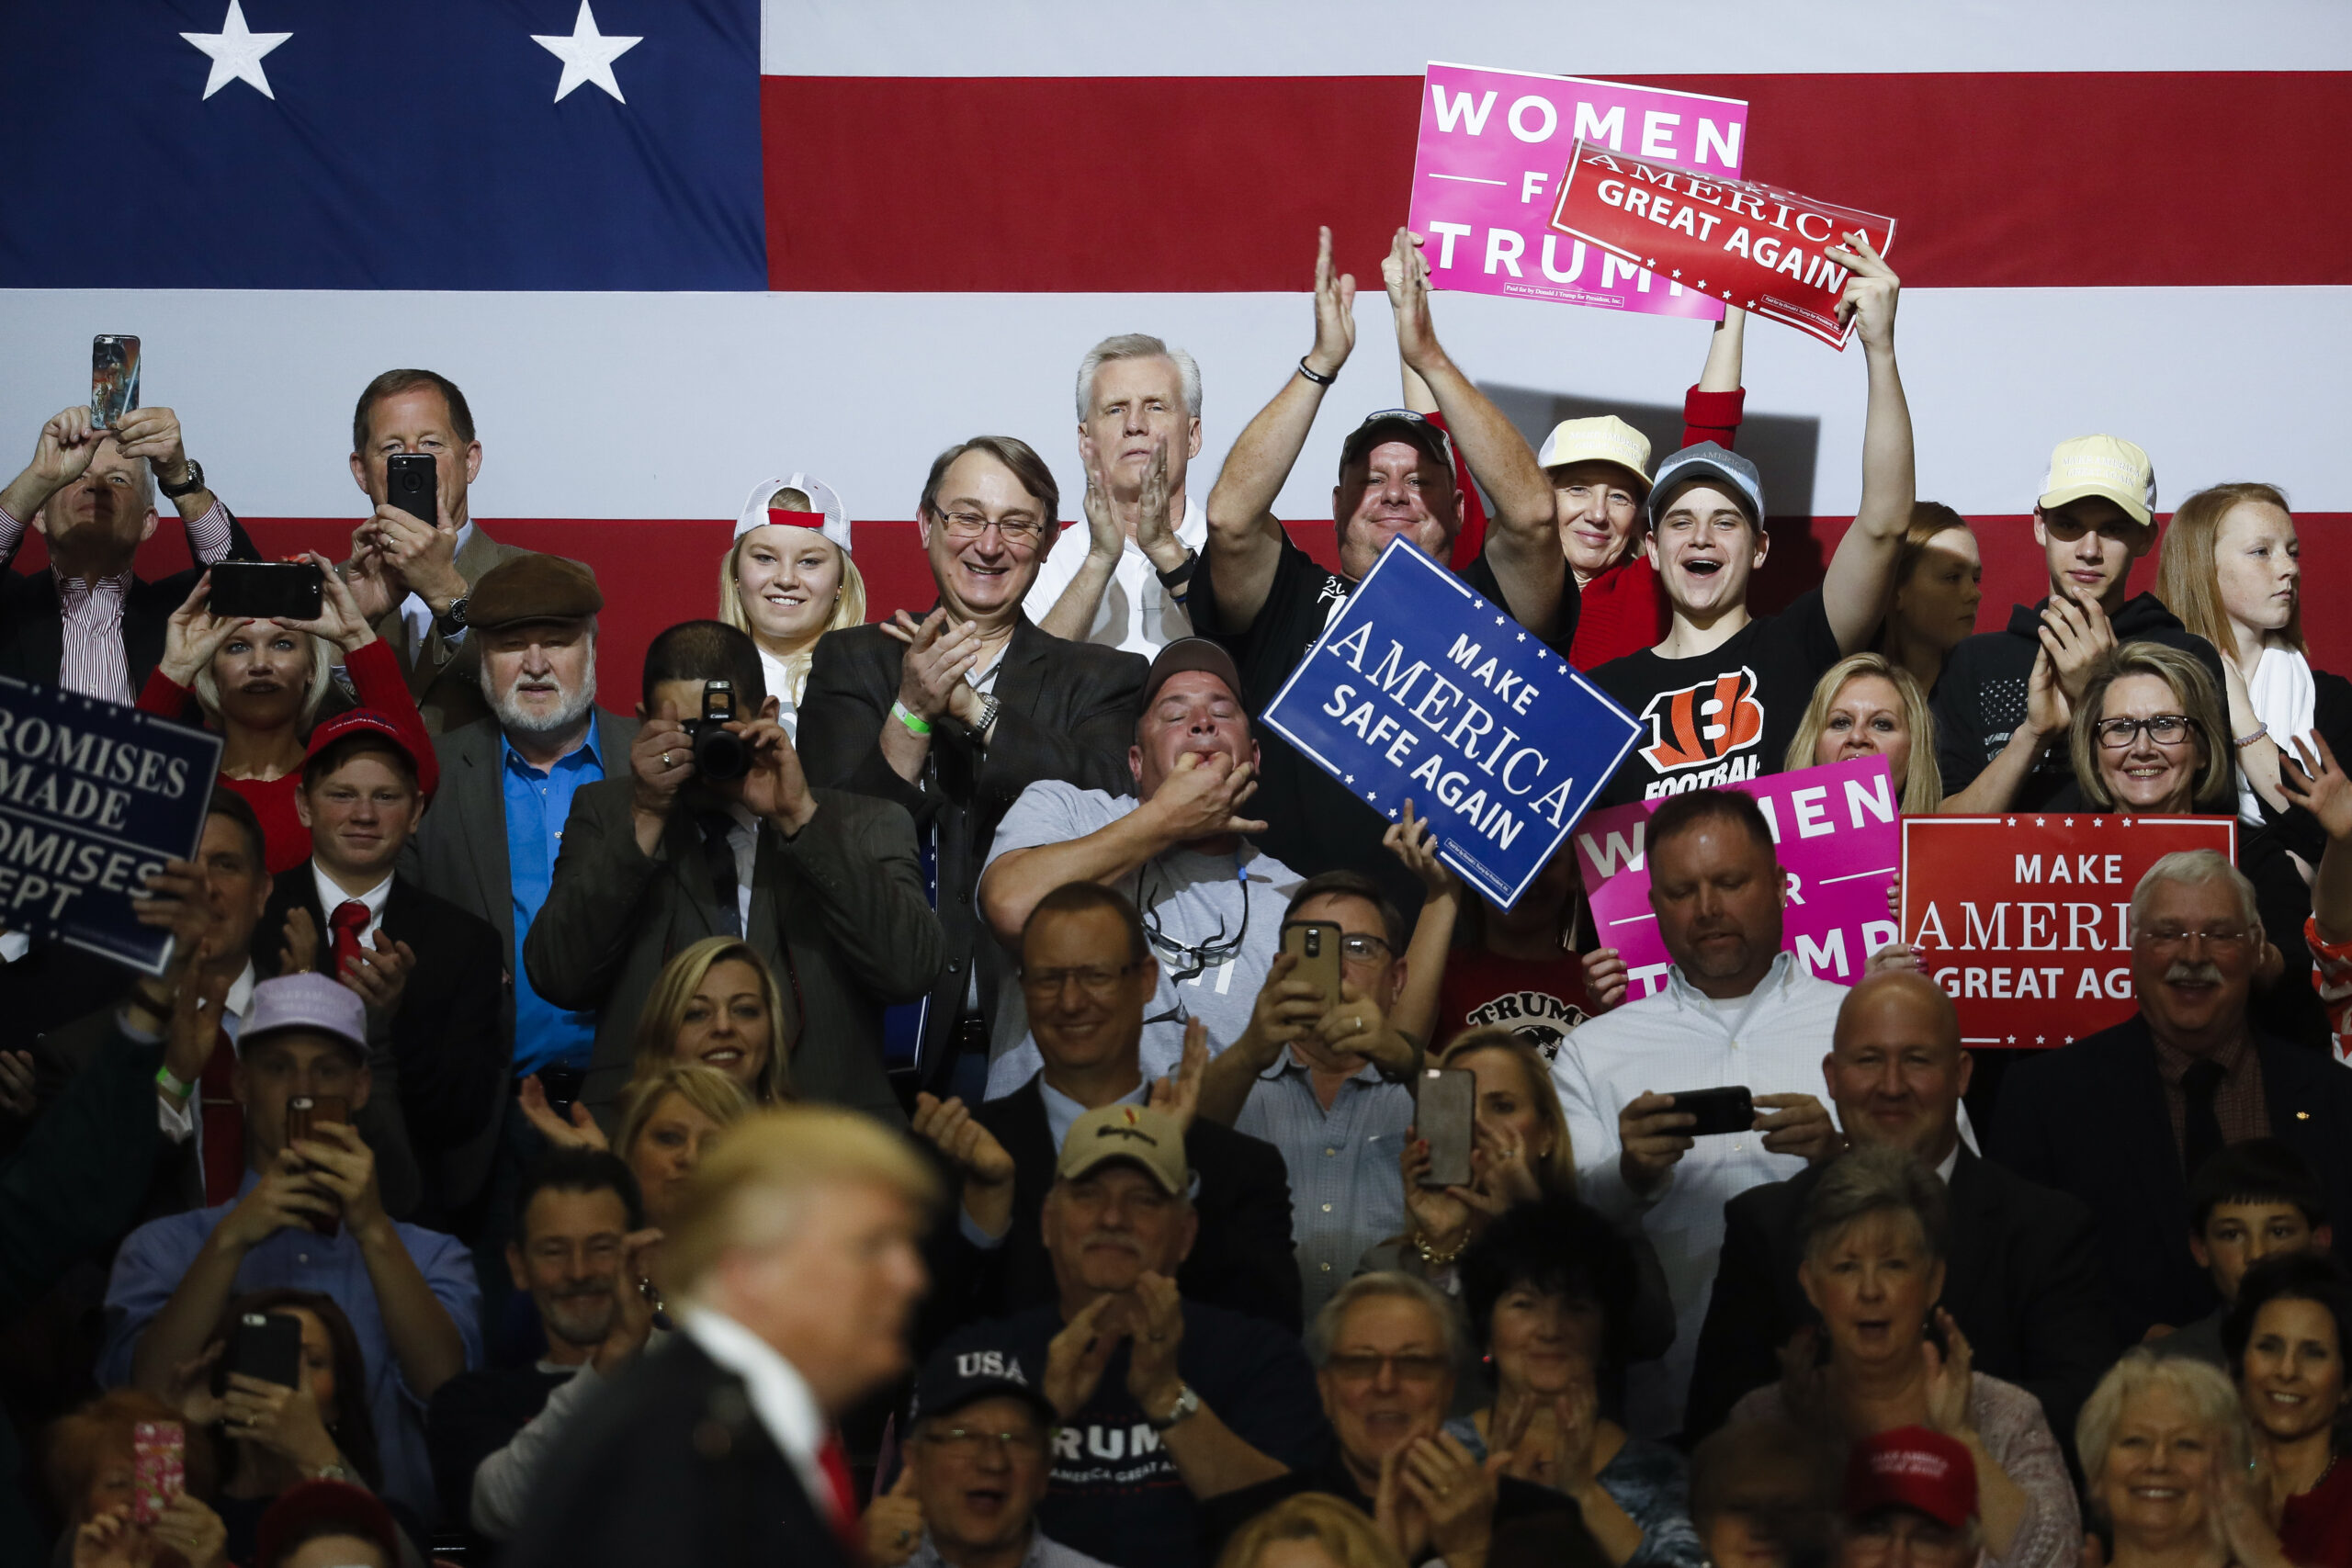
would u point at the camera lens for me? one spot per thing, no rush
(720, 754)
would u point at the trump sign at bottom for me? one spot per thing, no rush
(1423, 690)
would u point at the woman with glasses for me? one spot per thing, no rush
(1871, 1240)
(1549, 1289)
(2149, 738)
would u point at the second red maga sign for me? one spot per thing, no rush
(1751, 245)
(2025, 919)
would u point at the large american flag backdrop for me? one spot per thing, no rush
(668, 246)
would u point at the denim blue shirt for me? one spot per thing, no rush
(156, 1255)
(1347, 1194)
(537, 806)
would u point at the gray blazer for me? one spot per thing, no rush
(459, 849)
(444, 681)
(838, 912)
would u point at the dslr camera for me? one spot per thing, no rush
(719, 752)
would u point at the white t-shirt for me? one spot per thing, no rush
(1137, 613)
(1194, 905)
(2284, 697)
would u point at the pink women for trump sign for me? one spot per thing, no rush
(1837, 832)
(1486, 175)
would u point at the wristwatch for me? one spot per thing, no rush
(1187, 1403)
(452, 620)
(189, 485)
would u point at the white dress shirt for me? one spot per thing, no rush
(1678, 1040)
(1136, 612)
(779, 1394)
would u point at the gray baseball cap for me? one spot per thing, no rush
(1708, 464)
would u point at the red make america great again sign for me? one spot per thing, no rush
(2024, 919)
(1748, 244)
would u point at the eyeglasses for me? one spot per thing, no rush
(1365, 1367)
(965, 526)
(968, 1442)
(2119, 733)
(1094, 981)
(2173, 936)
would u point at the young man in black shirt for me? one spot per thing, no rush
(2003, 703)
(1722, 695)
(1267, 601)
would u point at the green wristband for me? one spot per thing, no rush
(172, 1086)
(916, 723)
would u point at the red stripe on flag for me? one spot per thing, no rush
(1216, 184)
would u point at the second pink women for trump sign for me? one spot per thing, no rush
(1840, 839)
(1487, 173)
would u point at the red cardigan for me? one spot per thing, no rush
(376, 677)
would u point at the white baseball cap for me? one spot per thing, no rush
(822, 496)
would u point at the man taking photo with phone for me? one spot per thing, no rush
(1322, 1074)
(86, 623)
(308, 1216)
(1734, 1012)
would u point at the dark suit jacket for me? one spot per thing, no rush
(1242, 1261)
(2022, 1280)
(1069, 711)
(460, 853)
(838, 912)
(671, 1468)
(2089, 1119)
(447, 1036)
(444, 681)
(32, 622)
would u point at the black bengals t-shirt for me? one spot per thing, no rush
(1724, 717)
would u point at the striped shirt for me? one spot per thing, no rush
(1347, 1194)
(1771, 1041)
(93, 662)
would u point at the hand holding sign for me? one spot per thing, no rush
(1868, 303)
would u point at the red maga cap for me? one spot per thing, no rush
(357, 722)
(1914, 1468)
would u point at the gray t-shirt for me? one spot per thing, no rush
(1193, 905)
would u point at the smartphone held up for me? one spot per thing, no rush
(114, 380)
(305, 1114)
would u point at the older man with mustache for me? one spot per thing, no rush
(2123, 1118)
(1161, 1404)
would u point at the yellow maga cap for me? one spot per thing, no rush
(2104, 465)
(1606, 439)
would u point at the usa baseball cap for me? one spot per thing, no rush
(967, 1372)
(307, 1000)
(830, 517)
(1149, 1138)
(2104, 465)
(1708, 464)
(1913, 1468)
(1602, 439)
(1395, 424)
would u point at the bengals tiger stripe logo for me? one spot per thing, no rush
(1703, 723)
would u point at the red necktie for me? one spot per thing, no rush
(350, 918)
(833, 1460)
(223, 1122)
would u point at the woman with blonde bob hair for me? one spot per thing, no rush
(787, 578)
(2164, 1454)
(717, 1004)
(1321, 1532)
(670, 1116)
(2148, 736)
(1867, 704)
